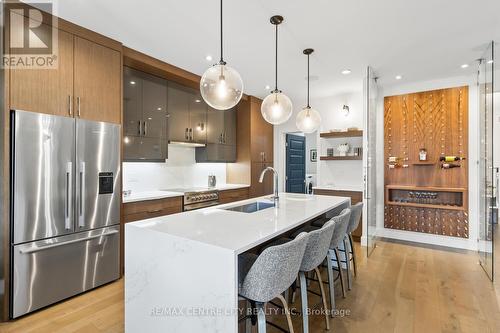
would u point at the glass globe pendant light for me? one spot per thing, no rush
(276, 108)
(221, 86)
(308, 119)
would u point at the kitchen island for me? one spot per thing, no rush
(181, 270)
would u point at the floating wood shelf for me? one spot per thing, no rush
(424, 163)
(425, 188)
(340, 158)
(343, 134)
(423, 205)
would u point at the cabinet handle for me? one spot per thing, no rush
(78, 106)
(186, 133)
(70, 105)
(145, 128)
(154, 211)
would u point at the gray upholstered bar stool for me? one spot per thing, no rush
(317, 250)
(350, 255)
(341, 224)
(265, 277)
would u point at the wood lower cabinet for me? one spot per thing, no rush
(97, 86)
(228, 196)
(140, 210)
(355, 198)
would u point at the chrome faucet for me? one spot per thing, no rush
(276, 196)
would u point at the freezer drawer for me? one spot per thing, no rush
(51, 270)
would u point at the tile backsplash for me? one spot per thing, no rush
(180, 170)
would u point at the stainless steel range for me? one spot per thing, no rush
(198, 197)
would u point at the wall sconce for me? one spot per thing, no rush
(200, 127)
(345, 110)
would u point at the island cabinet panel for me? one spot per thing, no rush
(228, 196)
(355, 198)
(135, 211)
(97, 77)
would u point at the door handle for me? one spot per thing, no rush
(78, 106)
(81, 208)
(69, 203)
(70, 105)
(41, 248)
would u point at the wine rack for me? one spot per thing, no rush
(427, 194)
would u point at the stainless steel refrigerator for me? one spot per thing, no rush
(65, 216)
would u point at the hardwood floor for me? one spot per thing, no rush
(401, 288)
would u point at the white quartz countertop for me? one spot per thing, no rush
(354, 188)
(238, 231)
(150, 195)
(158, 194)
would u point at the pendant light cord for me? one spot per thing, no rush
(308, 106)
(276, 62)
(222, 62)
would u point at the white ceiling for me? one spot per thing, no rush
(419, 39)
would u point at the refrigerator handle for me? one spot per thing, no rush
(81, 204)
(69, 195)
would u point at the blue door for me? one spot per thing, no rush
(295, 163)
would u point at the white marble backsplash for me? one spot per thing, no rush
(180, 170)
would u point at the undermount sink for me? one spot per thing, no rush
(251, 207)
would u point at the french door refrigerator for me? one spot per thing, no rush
(65, 211)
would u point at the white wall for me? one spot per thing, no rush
(311, 143)
(404, 88)
(338, 173)
(180, 170)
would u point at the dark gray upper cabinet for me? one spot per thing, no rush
(221, 137)
(145, 116)
(187, 115)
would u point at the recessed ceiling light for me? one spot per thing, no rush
(132, 82)
(465, 65)
(346, 71)
(268, 87)
(208, 58)
(399, 77)
(490, 61)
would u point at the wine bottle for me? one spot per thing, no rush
(451, 158)
(450, 166)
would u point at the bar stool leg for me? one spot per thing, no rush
(248, 320)
(303, 298)
(287, 313)
(261, 317)
(323, 297)
(347, 264)
(331, 281)
(340, 272)
(351, 243)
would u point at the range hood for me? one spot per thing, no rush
(186, 144)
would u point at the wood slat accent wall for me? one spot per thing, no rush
(436, 120)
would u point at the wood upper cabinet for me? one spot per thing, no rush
(86, 82)
(46, 90)
(97, 81)
(262, 135)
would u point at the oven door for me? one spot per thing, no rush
(200, 205)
